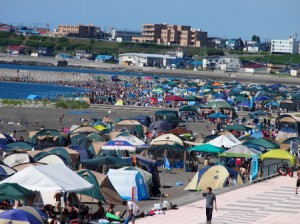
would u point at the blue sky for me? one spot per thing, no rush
(274, 19)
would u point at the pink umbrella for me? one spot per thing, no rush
(148, 77)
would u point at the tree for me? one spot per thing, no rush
(256, 38)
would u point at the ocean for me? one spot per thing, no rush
(21, 90)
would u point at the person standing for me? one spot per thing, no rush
(133, 211)
(210, 201)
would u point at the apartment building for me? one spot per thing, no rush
(83, 31)
(172, 34)
(289, 46)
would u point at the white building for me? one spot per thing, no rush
(289, 46)
(139, 59)
(230, 65)
(213, 62)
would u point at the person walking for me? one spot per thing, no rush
(210, 201)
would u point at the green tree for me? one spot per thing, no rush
(256, 38)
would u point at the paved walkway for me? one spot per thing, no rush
(270, 202)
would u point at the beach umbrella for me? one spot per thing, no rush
(188, 108)
(13, 191)
(19, 216)
(175, 98)
(216, 104)
(273, 103)
(218, 115)
(261, 98)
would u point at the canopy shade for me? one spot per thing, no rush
(54, 177)
(206, 148)
(280, 154)
(237, 127)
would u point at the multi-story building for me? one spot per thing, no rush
(83, 31)
(289, 46)
(172, 34)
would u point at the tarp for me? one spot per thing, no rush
(13, 191)
(212, 176)
(280, 155)
(55, 177)
(223, 140)
(125, 180)
(103, 189)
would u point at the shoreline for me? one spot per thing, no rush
(138, 71)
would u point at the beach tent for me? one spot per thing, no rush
(5, 139)
(143, 119)
(132, 125)
(70, 155)
(119, 145)
(278, 155)
(287, 104)
(212, 176)
(17, 158)
(263, 142)
(240, 151)
(83, 152)
(25, 165)
(48, 138)
(161, 126)
(55, 177)
(165, 114)
(33, 97)
(169, 139)
(13, 191)
(225, 141)
(288, 120)
(174, 151)
(103, 189)
(110, 161)
(85, 130)
(53, 159)
(18, 146)
(206, 148)
(286, 133)
(125, 180)
(131, 139)
(6, 171)
(96, 147)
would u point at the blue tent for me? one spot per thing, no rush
(33, 97)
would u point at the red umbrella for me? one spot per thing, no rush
(175, 98)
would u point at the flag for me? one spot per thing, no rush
(254, 169)
(167, 164)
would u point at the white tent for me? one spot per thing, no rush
(125, 180)
(169, 139)
(51, 159)
(55, 177)
(16, 159)
(225, 141)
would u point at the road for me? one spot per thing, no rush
(270, 202)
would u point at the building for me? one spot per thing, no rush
(254, 68)
(123, 35)
(290, 46)
(82, 54)
(83, 31)
(295, 70)
(7, 28)
(255, 47)
(44, 51)
(213, 62)
(15, 50)
(172, 34)
(230, 64)
(139, 59)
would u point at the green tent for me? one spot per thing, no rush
(18, 145)
(108, 160)
(188, 108)
(265, 143)
(280, 154)
(206, 148)
(237, 127)
(13, 191)
(103, 189)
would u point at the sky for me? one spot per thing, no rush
(269, 19)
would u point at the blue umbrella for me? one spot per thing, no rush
(273, 103)
(262, 98)
(218, 115)
(19, 216)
